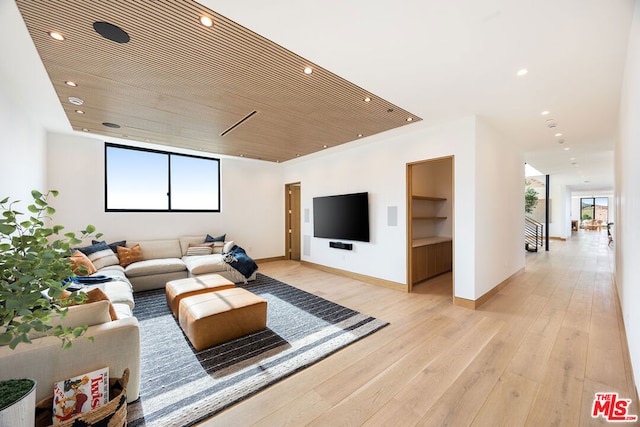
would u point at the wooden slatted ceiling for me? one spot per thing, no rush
(181, 84)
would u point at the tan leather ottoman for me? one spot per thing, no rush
(176, 290)
(215, 317)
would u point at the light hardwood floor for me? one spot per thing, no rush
(534, 355)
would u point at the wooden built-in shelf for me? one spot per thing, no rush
(433, 199)
(429, 217)
(431, 240)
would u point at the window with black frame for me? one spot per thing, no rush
(594, 212)
(145, 180)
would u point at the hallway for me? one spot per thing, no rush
(533, 355)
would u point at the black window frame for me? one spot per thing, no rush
(593, 207)
(169, 154)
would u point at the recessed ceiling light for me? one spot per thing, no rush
(297, 155)
(367, 99)
(75, 101)
(56, 35)
(566, 148)
(409, 119)
(544, 113)
(558, 134)
(70, 83)
(241, 155)
(572, 158)
(359, 135)
(79, 111)
(522, 72)
(325, 146)
(206, 21)
(308, 70)
(85, 130)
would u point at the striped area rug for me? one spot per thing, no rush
(181, 387)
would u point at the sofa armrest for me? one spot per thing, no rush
(115, 344)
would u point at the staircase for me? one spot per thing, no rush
(533, 234)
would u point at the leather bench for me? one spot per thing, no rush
(212, 318)
(176, 290)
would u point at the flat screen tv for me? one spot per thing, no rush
(345, 216)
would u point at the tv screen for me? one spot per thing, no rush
(344, 216)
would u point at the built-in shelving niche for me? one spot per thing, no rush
(430, 228)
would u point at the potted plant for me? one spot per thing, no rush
(34, 263)
(17, 402)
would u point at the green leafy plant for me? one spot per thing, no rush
(34, 262)
(530, 199)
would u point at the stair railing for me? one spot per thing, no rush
(533, 234)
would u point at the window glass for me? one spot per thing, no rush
(193, 181)
(148, 180)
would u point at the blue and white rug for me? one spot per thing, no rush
(181, 387)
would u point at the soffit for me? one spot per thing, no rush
(181, 84)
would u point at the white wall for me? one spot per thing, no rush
(626, 230)
(378, 165)
(560, 214)
(252, 204)
(499, 213)
(23, 151)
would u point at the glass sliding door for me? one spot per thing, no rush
(594, 212)
(587, 209)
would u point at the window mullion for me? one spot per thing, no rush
(169, 181)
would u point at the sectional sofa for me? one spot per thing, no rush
(169, 259)
(118, 270)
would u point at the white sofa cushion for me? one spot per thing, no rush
(204, 264)
(90, 314)
(154, 266)
(112, 271)
(118, 291)
(123, 310)
(156, 249)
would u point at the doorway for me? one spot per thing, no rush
(594, 211)
(429, 220)
(292, 221)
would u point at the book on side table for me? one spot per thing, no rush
(80, 394)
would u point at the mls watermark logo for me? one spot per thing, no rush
(612, 408)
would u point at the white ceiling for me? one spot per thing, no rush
(438, 59)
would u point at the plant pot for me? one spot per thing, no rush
(22, 411)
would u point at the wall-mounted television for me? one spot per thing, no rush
(344, 216)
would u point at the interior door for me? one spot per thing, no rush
(292, 213)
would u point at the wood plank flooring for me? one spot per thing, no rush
(533, 355)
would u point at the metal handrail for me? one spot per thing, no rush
(533, 234)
